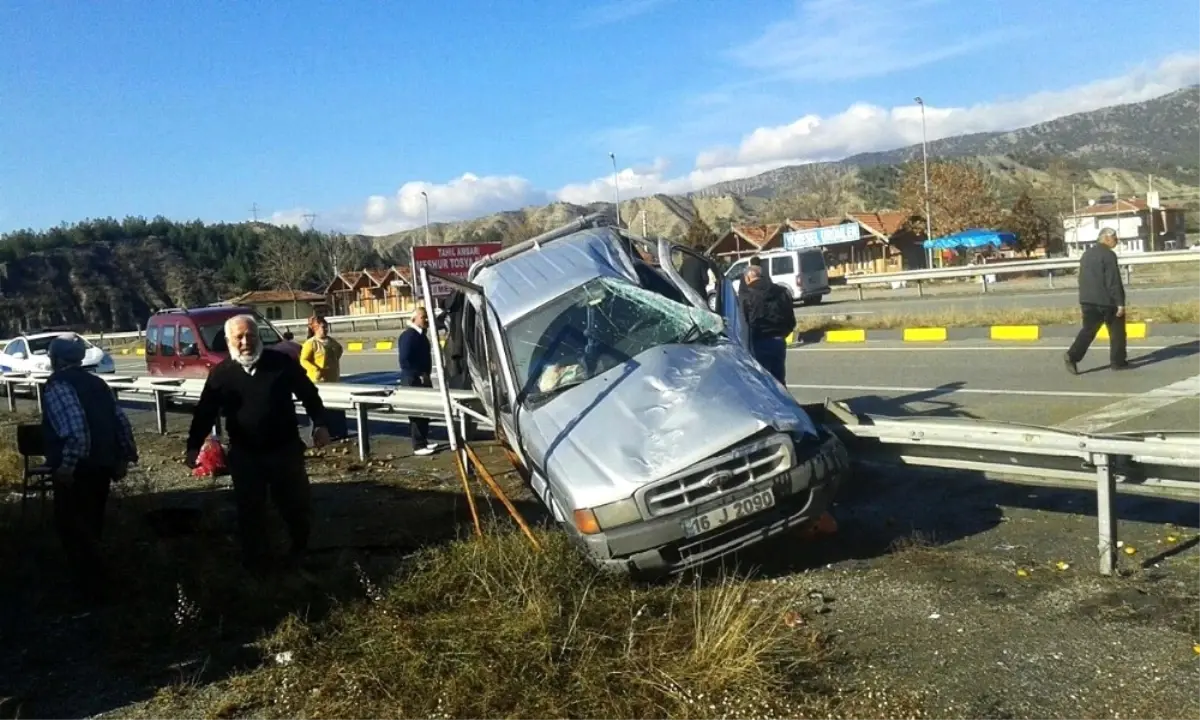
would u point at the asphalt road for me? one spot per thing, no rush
(1029, 296)
(1020, 382)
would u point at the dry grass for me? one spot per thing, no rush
(10, 460)
(490, 628)
(1184, 313)
(474, 628)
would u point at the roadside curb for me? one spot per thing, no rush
(1000, 333)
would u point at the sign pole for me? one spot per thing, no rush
(436, 347)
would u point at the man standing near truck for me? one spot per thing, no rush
(769, 314)
(254, 390)
(1101, 302)
(415, 355)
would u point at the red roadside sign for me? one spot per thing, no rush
(453, 260)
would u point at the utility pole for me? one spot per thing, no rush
(426, 196)
(925, 164)
(1074, 220)
(1149, 214)
(616, 189)
(254, 211)
(311, 218)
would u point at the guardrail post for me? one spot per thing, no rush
(1128, 274)
(983, 283)
(12, 397)
(364, 435)
(860, 291)
(920, 289)
(1106, 489)
(37, 392)
(1050, 274)
(160, 410)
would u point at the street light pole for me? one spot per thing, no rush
(424, 195)
(616, 188)
(925, 164)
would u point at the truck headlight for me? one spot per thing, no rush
(590, 521)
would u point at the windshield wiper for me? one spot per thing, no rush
(695, 333)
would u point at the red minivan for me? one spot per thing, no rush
(187, 343)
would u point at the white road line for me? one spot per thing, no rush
(950, 390)
(1135, 406)
(859, 347)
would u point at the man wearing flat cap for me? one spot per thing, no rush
(89, 444)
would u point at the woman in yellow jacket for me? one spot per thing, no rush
(321, 358)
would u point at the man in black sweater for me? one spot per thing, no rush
(1102, 302)
(415, 355)
(769, 313)
(254, 391)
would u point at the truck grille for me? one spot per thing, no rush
(744, 465)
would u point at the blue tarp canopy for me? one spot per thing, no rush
(973, 238)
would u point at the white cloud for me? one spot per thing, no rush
(860, 128)
(864, 127)
(462, 198)
(834, 40)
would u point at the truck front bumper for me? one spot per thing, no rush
(660, 546)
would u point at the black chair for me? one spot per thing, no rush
(31, 443)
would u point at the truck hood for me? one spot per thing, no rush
(663, 411)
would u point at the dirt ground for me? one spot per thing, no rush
(976, 598)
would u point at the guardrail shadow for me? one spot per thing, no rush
(885, 511)
(937, 402)
(185, 611)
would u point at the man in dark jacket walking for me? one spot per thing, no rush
(769, 314)
(1102, 302)
(89, 443)
(416, 368)
(254, 390)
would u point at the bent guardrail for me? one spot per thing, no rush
(1168, 257)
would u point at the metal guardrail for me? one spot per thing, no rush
(1164, 464)
(1048, 266)
(338, 322)
(367, 402)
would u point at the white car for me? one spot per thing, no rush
(27, 353)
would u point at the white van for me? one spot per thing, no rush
(802, 273)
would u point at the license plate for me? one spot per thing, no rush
(726, 514)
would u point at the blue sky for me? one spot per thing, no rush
(350, 109)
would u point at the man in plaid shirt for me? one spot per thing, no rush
(89, 443)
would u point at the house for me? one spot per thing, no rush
(746, 240)
(283, 304)
(1139, 228)
(853, 244)
(372, 290)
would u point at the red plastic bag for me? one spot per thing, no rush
(211, 460)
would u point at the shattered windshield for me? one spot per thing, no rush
(596, 327)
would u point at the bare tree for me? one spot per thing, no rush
(286, 263)
(337, 254)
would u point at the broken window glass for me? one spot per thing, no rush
(596, 327)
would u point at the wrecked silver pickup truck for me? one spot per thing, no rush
(635, 411)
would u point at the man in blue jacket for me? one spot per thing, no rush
(416, 365)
